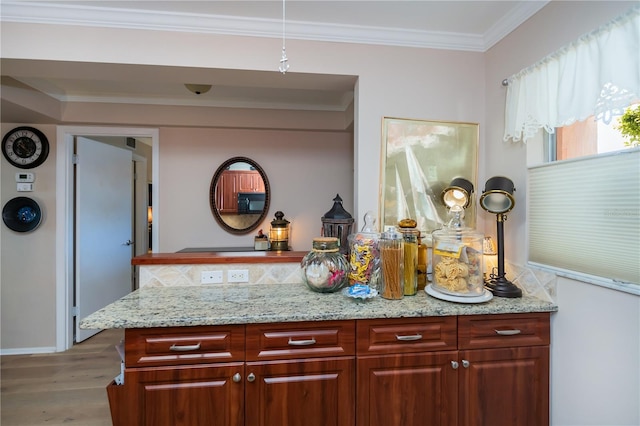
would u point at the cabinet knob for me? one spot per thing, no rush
(455, 365)
(236, 378)
(465, 363)
(251, 377)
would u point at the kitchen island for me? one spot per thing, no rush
(281, 354)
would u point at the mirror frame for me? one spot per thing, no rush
(212, 195)
(440, 151)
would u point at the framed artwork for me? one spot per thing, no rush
(419, 159)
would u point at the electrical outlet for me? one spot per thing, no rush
(238, 276)
(211, 277)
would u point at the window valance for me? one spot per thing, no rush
(598, 74)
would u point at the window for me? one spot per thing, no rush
(588, 137)
(583, 210)
(584, 205)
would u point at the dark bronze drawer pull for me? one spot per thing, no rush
(409, 338)
(185, 348)
(302, 342)
(507, 332)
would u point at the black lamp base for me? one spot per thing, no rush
(502, 287)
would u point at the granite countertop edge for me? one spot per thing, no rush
(271, 303)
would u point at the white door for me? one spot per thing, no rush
(103, 228)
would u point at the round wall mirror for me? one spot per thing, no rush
(239, 195)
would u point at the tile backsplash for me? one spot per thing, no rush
(190, 275)
(534, 282)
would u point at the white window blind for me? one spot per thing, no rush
(584, 215)
(598, 74)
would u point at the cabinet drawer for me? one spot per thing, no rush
(183, 345)
(501, 331)
(404, 335)
(300, 340)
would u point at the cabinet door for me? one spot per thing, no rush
(418, 389)
(189, 396)
(227, 192)
(250, 182)
(305, 392)
(505, 387)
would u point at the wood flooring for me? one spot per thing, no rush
(66, 388)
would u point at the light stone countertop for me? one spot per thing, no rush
(267, 303)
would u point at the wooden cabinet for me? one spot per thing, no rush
(404, 372)
(232, 182)
(289, 374)
(480, 370)
(226, 192)
(301, 374)
(307, 392)
(188, 395)
(250, 181)
(445, 371)
(504, 369)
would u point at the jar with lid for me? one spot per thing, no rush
(457, 261)
(364, 256)
(324, 269)
(392, 265)
(410, 235)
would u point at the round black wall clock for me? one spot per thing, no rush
(25, 147)
(22, 214)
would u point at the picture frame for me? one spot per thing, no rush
(418, 161)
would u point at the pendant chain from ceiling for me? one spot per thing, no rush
(284, 61)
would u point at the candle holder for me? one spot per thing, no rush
(279, 233)
(337, 223)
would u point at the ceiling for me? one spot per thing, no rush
(459, 25)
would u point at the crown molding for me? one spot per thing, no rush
(83, 15)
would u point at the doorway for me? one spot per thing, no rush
(65, 210)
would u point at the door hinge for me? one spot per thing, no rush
(74, 159)
(74, 311)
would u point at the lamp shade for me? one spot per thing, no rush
(458, 193)
(497, 196)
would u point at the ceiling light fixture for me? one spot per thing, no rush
(284, 64)
(198, 89)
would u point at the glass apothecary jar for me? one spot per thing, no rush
(392, 265)
(324, 269)
(364, 255)
(457, 262)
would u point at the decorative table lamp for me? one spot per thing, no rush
(337, 223)
(279, 233)
(497, 198)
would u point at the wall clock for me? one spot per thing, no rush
(25, 147)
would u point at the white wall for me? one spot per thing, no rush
(305, 171)
(595, 367)
(28, 268)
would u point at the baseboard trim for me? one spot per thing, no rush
(28, 351)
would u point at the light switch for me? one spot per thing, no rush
(24, 187)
